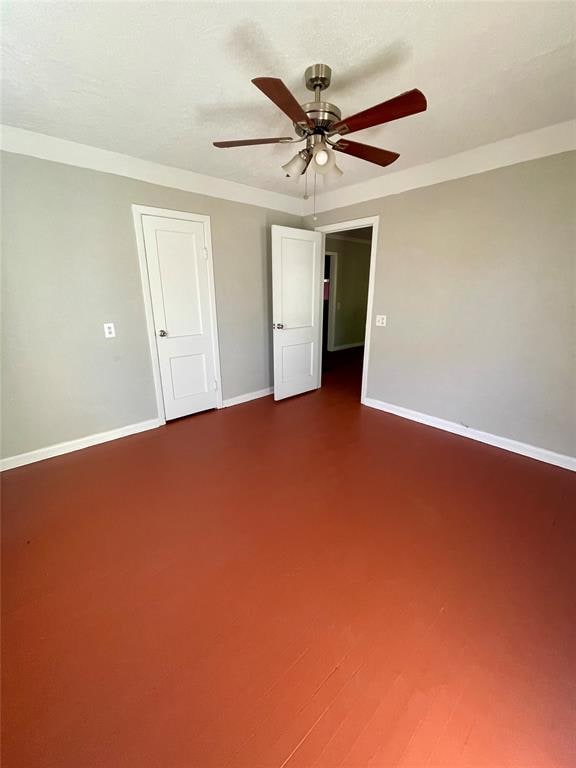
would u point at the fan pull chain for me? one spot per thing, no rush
(314, 217)
(306, 184)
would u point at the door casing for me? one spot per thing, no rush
(331, 304)
(343, 226)
(137, 212)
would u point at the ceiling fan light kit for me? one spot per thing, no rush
(298, 164)
(323, 158)
(319, 123)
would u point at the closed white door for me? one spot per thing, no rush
(297, 271)
(181, 289)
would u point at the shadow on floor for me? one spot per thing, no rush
(343, 370)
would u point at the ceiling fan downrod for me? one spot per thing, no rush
(323, 114)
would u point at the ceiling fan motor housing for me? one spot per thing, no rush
(322, 113)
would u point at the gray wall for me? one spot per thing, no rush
(477, 277)
(70, 264)
(351, 294)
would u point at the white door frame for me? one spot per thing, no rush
(342, 226)
(144, 210)
(331, 298)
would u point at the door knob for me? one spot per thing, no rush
(162, 333)
(279, 325)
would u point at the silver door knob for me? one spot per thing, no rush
(162, 333)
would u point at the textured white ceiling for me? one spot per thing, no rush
(161, 80)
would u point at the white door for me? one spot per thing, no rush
(297, 272)
(181, 289)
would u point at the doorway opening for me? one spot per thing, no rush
(349, 251)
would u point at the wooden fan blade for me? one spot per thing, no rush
(365, 152)
(409, 103)
(250, 142)
(283, 98)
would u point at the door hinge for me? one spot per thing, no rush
(205, 253)
(215, 386)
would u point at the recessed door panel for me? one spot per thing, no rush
(188, 375)
(297, 361)
(178, 262)
(297, 282)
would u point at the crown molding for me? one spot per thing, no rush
(21, 142)
(518, 149)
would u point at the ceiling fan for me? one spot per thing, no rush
(319, 123)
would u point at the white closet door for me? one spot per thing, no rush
(180, 278)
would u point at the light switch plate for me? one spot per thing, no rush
(109, 330)
(381, 320)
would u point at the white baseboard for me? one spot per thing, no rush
(248, 396)
(77, 445)
(103, 437)
(541, 454)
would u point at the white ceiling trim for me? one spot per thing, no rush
(22, 142)
(526, 146)
(518, 149)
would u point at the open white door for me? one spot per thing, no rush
(297, 262)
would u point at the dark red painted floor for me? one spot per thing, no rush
(309, 583)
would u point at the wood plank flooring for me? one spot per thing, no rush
(308, 584)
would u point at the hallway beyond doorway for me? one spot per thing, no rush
(343, 370)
